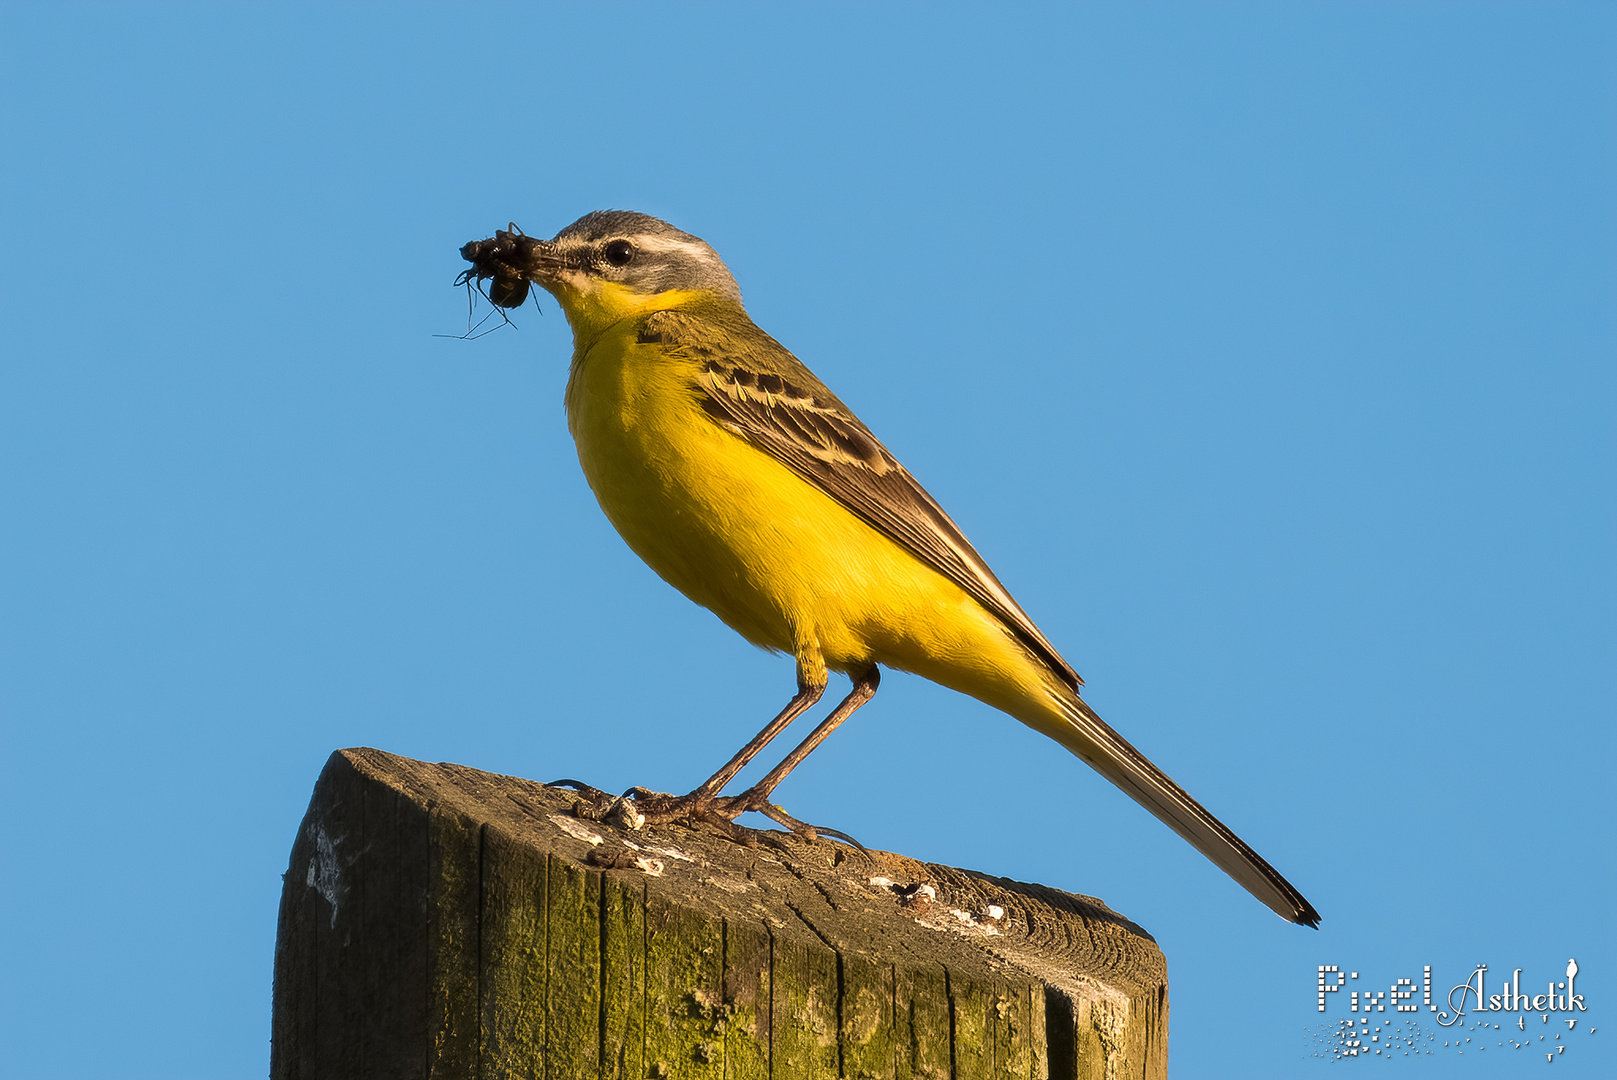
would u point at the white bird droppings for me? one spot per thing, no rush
(672, 853)
(575, 828)
(325, 872)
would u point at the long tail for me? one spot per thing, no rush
(1109, 754)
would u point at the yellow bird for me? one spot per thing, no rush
(746, 484)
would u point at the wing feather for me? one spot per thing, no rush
(753, 386)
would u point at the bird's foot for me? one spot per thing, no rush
(758, 801)
(719, 811)
(642, 806)
(597, 805)
(698, 806)
(593, 794)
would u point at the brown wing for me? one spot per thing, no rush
(751, 385)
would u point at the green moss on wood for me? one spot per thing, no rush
(470, 937)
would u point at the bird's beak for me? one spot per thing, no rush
(512, 260)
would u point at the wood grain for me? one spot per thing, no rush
(438, 921)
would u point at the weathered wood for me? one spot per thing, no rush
(437, 921)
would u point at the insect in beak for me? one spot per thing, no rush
(511, 260)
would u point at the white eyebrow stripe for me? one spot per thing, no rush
(663, 244)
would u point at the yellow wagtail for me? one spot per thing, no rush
(748, 486)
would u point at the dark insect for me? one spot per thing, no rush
(508, 292)
(501, 259)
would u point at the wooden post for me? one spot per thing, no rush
(437, 921)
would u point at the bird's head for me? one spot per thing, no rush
(604, 267)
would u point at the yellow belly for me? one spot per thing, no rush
(782, 563)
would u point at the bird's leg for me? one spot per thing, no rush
(757, 796)
(701, 802)
(808, 694)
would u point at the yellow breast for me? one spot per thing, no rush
(781, 562)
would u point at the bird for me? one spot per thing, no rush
(746, 484)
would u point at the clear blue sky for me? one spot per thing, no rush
(1266, 351)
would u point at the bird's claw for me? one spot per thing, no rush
(755, 801)
(698, 807)
(593, 805)
(578, 786)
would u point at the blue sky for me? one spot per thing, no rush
(1265, 351)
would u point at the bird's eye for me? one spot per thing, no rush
(618, 252)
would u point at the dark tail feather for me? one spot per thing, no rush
(1092, 739)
